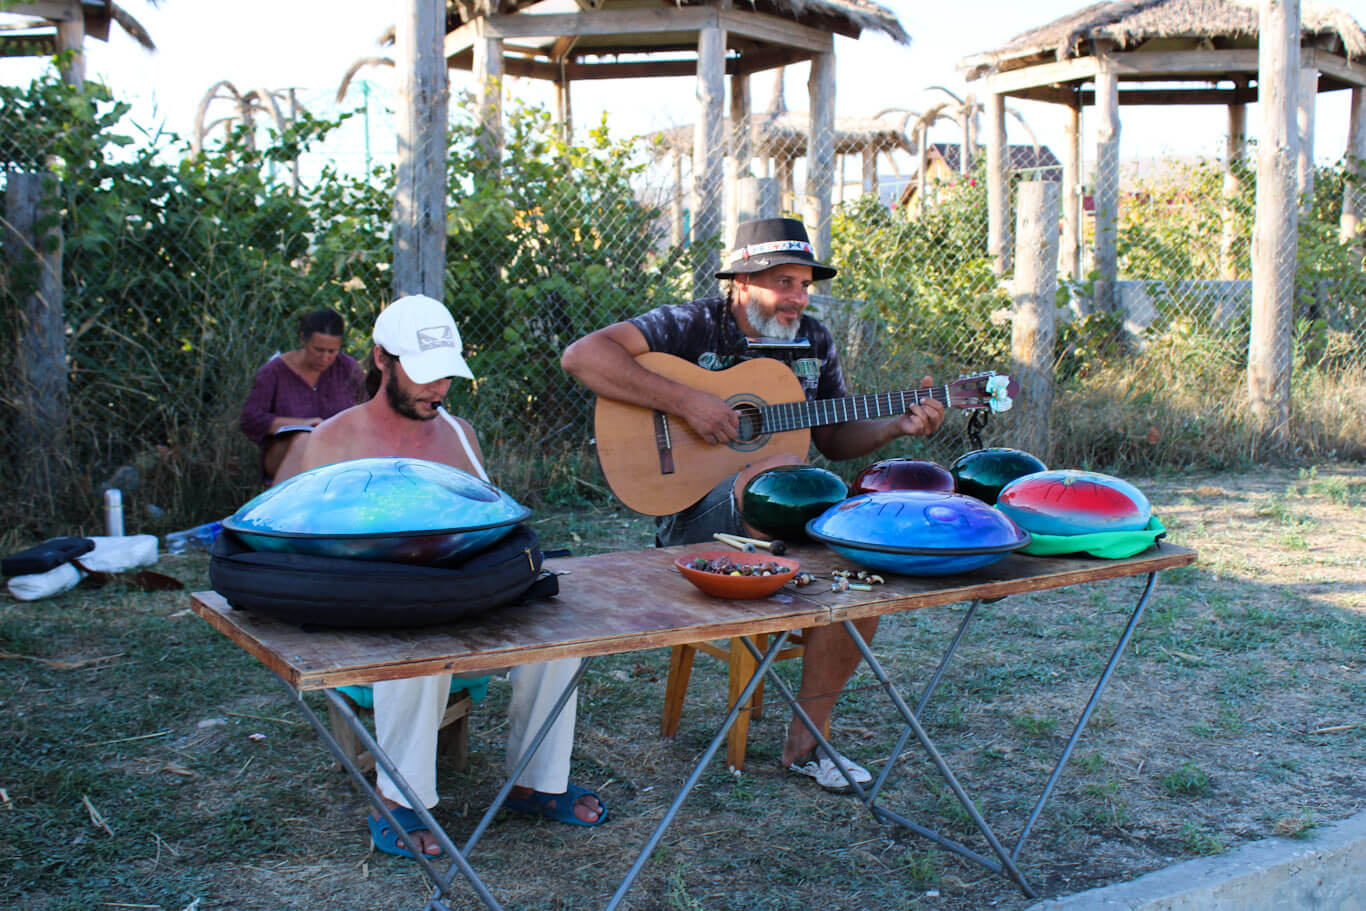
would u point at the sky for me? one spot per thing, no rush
(309, 44)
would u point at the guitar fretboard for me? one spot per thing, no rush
(796, 415)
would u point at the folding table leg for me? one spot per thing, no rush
(1086, 712)
(1007, 862)
(765, 662)
(440, 883)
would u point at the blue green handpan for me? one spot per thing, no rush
(396, 509)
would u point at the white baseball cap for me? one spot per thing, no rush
(420, 332)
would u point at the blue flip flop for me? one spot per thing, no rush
(559, 807)
(388, 841)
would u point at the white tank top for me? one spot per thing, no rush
(464, 441)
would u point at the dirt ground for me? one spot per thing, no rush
(1236, 715)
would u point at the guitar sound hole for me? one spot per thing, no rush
(751, 424)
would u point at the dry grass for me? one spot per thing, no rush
(1237, 715)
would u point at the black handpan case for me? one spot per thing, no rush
(315, 591)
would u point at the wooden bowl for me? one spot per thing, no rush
(726, 586)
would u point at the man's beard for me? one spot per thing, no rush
(769, 326)
(406, 404)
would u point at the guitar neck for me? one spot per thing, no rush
(798, 415)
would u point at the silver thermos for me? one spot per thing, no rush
(113, 513)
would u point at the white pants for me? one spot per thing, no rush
(408, 712)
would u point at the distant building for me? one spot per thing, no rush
(943, 161)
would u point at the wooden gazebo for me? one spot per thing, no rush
(709, 39)
(1152, 52)
(42, 28)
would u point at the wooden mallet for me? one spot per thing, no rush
(775, 547)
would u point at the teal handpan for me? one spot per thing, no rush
(983, 472)
(395, 509)
(779, 501)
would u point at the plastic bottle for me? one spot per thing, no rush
(197, 538)
(113, 512)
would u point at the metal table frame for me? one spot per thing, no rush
(736, 619)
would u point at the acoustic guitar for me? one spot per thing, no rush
(657, 465)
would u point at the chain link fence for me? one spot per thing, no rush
(181, 274)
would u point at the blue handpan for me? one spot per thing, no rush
(917, 532)
(395, 509)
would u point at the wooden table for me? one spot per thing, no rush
(637, 600)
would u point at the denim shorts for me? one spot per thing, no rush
(713, 513)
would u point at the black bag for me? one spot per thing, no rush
(40, 558)
(338, 592)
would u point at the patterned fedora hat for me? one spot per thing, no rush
(767, 242)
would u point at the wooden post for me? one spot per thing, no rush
(1034, 317)
(71, 42)
(1107, 186)
(676, 205)
(922, 182)
(40, 455)
(998, 185)
(564, 107)
(709, 147)
(1304, 119)
(869, 166)
(1352, 196)
(820, 151)
(969, 137)
(768, 198)
(420, 171)
(1070, 252)
(783, 173)
(1233, 186)
(1275, 242)
(488, 89)
(740, 199)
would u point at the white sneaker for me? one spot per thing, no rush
(828, 775)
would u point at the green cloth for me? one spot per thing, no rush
(1112, 545)
(478, 688)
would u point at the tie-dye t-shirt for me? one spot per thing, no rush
(705, 333)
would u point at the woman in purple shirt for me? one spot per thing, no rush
(300, 389)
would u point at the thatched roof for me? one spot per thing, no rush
(784, 135)
(845, 17)
(31, 34)
(1130, 23)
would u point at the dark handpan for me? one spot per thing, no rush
(902, 474)
(983, 472)
(779, 501)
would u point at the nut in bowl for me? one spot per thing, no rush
(730, 574)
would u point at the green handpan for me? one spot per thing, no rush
(780, 501)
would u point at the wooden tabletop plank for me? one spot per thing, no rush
(1014, 574)
(629, 601)
(607, 604)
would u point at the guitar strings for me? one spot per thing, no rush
(786, 416)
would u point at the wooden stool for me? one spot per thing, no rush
(452, 740)
(741, 666)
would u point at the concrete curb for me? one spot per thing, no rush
(1323, 873)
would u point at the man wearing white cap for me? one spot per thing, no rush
(767, 276)
(417, 351)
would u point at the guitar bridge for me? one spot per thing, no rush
(663, 443)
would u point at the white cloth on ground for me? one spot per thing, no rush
(407, 713)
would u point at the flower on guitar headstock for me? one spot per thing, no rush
(998, 392)
(982, 391)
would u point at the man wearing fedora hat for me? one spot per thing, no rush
(767, 278)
